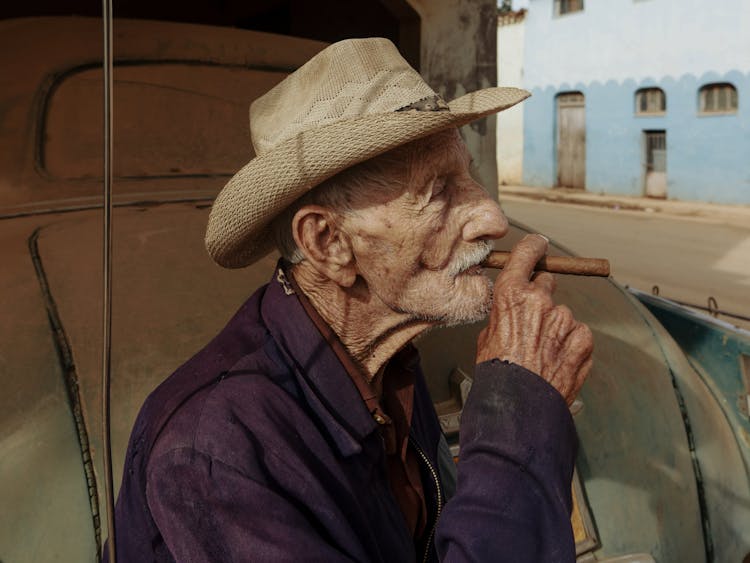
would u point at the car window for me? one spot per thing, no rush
(171, 119)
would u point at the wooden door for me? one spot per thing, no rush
(571, 140)
(655, 163)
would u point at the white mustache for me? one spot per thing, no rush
(472, 257)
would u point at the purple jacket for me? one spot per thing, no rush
(260, 448)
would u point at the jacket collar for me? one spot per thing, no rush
(323, 380)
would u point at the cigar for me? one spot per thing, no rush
(556, 264)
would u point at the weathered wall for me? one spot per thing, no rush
(635, 40)
(676, 45)
(510, 33)
(459, 43)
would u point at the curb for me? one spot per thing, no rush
(736, 215)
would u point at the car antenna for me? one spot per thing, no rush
(107, 289)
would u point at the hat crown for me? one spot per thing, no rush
(348, 79)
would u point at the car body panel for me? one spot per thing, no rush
(46, 512)
(49, 127)
(169, 299)
(715, 403)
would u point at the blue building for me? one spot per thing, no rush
(639, 97)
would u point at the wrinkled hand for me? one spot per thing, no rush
(527, 328)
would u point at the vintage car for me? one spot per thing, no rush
(662, 472)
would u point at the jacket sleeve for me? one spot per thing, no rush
(513, 496)
(208, 511)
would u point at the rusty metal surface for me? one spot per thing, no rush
(54, 48)
(716, 404)
(169, 299)
(46, 513)
(175, 120)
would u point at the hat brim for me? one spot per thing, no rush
(238, 230)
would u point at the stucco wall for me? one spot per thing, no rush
(459, 51)
(510, 122)
(612, 49)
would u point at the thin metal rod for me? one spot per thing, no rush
(713, 306)
(713, 310)
(107, 267)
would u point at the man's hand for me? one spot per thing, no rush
(528, 329)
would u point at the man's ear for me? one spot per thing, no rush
(325, 246)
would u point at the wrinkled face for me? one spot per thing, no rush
(417, 245)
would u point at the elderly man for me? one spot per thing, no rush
(304, 430)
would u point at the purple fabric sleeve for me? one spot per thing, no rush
(513, 497)
(208, 511)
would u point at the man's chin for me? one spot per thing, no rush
(468, 301)
(466, 317)
(473, 307)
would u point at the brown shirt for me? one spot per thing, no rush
(392, 411)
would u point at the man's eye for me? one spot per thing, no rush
(438, 186)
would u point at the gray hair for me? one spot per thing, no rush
(388, 171)
(379, 174)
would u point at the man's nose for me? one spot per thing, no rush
(486, 220)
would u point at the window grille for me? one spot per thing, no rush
(568, 6)
(650, 101)
(718, 98)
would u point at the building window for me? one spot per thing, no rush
(650, 101)
(718, 98)
(568, 6)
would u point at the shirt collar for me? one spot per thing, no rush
(323, 380)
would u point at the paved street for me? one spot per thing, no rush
(689, 259)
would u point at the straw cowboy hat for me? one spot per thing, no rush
(354, 100)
